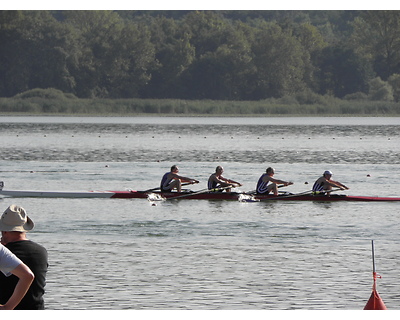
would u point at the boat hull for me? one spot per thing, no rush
(235, 196)
(131, 194)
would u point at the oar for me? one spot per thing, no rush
(254, 191)
(326, 191)
(198, 192)
(334, 190)
(153, 189)
(305, 193)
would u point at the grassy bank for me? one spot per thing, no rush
(51, 101)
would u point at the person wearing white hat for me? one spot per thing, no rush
(11, 265)
(325, 183)
(14, 223)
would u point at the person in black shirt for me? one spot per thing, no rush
(14, 223)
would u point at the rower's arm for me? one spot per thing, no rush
(287, 183)
(338, 184)
(230, 181)
(186, 179)
(235, 182)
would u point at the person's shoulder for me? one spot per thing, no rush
(27, 245)
(37, 250)
(38, 245)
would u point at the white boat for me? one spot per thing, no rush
(56, 194)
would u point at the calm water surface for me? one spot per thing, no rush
(197, 254)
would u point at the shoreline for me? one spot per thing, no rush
(168, 115)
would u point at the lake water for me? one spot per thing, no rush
(208, 255)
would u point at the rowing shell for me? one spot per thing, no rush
(57, 194)
(132, 194)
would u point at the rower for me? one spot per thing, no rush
(171, 180)
(325, 183)
(216, 180)
(267, 183)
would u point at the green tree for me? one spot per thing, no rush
(114, 57)
(174, 54)
(278, 59)
(394, 81)
(222, 58)
(34, 52)
(223, 72)
(313, 43)
(342, 72)
(380, 90)
(208, 30)
(377, 37)
(95, 30)
(133, 59)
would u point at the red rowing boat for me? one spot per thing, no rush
(190, 195)
(255, 197)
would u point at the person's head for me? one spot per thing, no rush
(174, 168)
(14, 222)
(328, 174)
(270, 170)
(219, 169)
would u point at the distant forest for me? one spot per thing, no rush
(202, 55)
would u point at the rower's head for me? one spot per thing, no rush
(219, 169)
(270, 170)
(328, 174)
(174, 168)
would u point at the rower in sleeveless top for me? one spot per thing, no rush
(171, 180)
(267, 183)
(325, 183)
(216, 180)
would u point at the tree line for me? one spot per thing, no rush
(200, 55)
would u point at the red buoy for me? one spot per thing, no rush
(375, 301)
